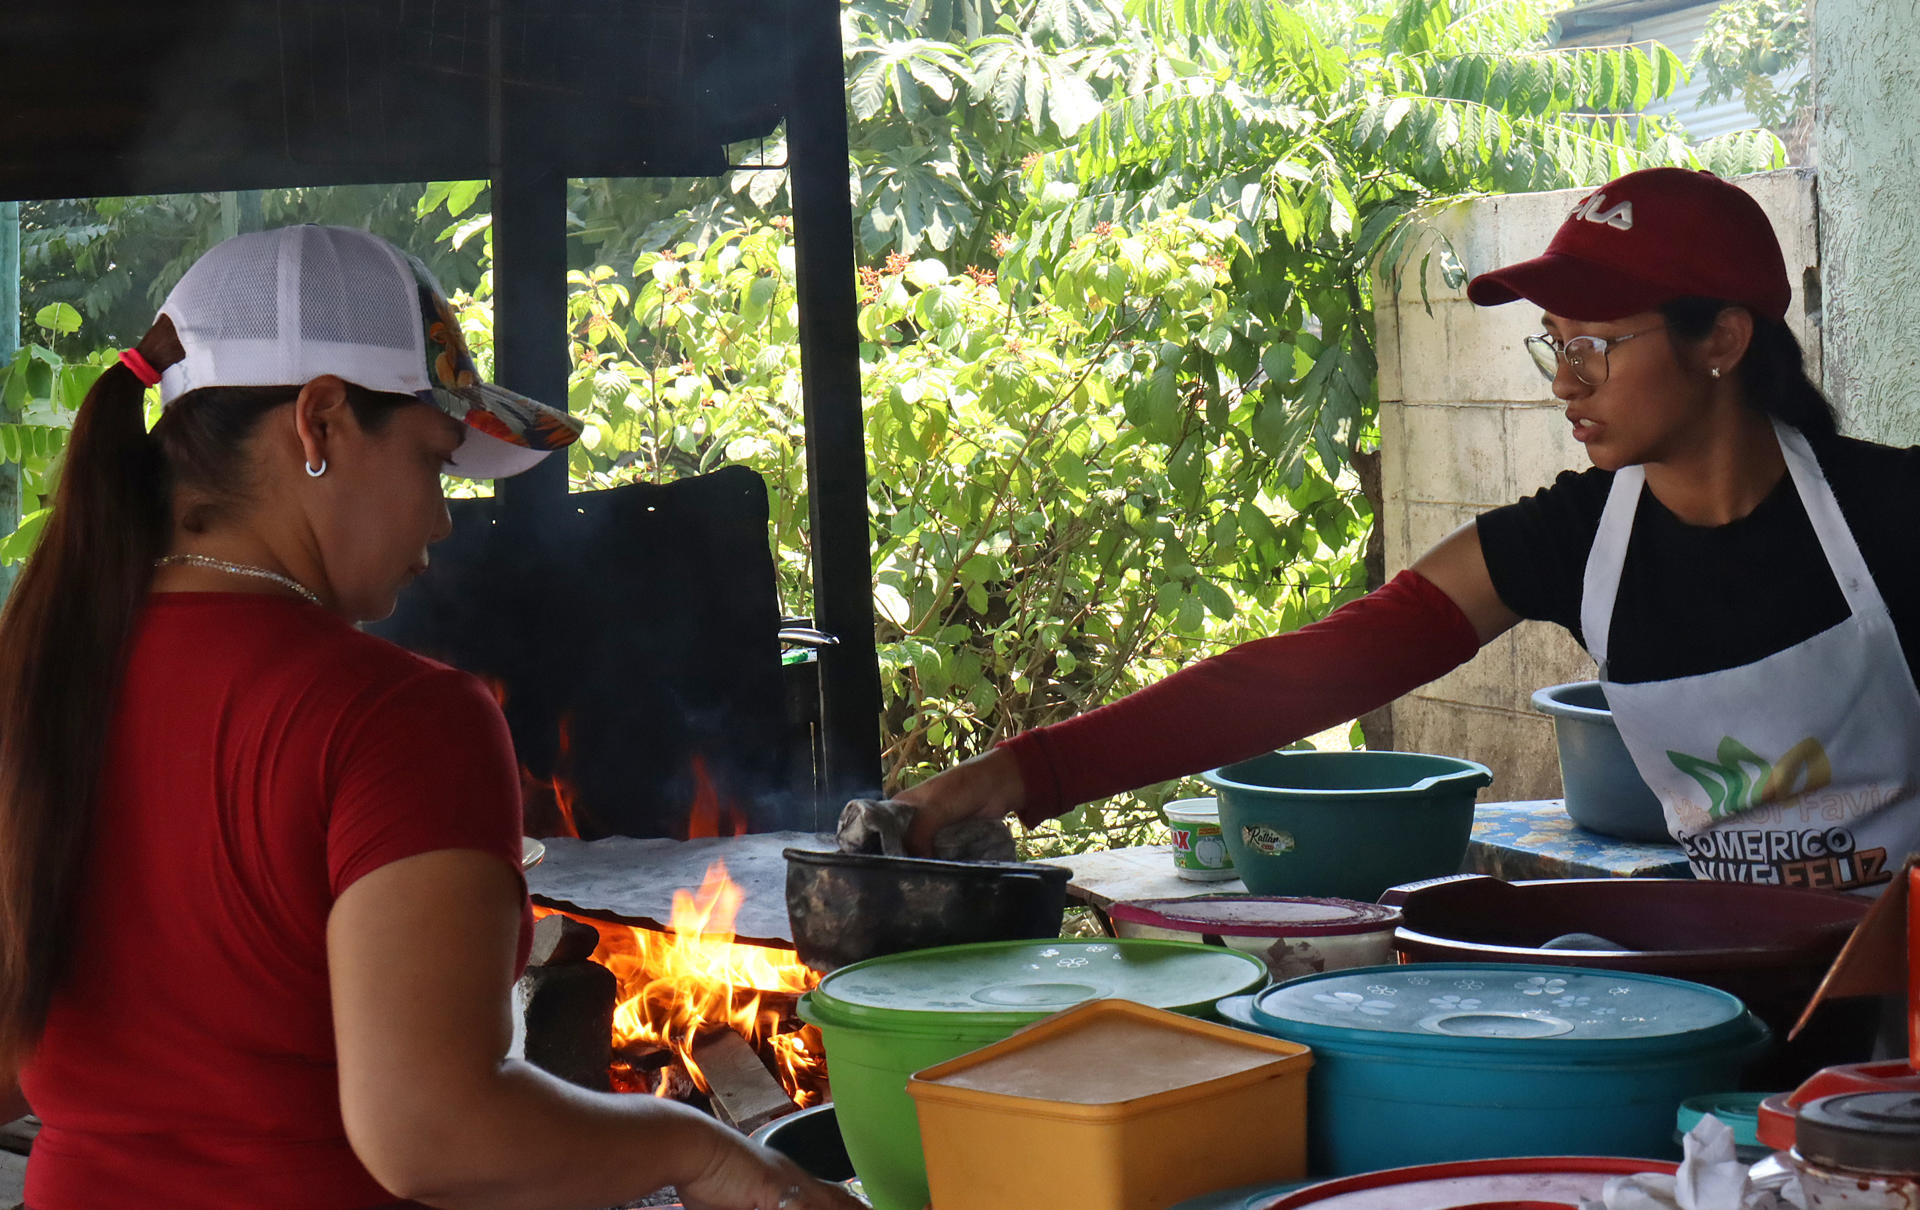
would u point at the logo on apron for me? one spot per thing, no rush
(1731, 790)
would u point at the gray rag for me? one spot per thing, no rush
(880, 826)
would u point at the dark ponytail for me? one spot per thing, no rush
(1773, 374)
(62, 636)
(64, 633)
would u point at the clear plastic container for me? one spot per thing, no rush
(1859, 1151)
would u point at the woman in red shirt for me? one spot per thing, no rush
(259, 871)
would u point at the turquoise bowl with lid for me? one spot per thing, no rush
(886, 1018)
(1454, 1061)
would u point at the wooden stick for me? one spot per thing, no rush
(745, 1094)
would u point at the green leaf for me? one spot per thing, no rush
(18, 545)
(1215, 598)
(460, 196)
(58, 318)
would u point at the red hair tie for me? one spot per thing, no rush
(142, 370)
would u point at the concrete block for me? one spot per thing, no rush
(1427, 523)
(1454, 453)
(1539, 444)
(1394, 453)
(1518, 750)
(1544, 654)
(1386, 343)
(1425, 354)
(1485, 680)
(1530, 761)
(1489, 345)
(1526, 222)
(564, 1021)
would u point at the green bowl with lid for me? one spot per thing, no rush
(886, 1018)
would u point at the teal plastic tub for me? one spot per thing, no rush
(886, 1018)
(1345, 825)
(1432, 1062)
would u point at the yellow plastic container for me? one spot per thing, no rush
(1112, 1106)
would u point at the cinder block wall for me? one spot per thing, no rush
(1467, 424)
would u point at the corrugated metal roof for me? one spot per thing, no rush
(1676, 24)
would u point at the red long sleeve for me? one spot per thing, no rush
(1251, 699)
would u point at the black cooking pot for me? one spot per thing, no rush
(811, 1139)
(847, 907)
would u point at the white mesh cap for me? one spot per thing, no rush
(283, 307)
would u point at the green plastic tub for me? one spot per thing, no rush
(1345, 825)
(886, 1018)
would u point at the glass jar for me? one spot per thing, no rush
(1859, 1151)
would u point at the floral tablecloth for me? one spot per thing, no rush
(1536, 839)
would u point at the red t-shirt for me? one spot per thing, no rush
(264, 755)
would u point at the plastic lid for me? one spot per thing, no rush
(1738, 1111)
(1193, 810)
(986, 983)
(1777, 1112)
(1113, 1052)
(1463, 1184)
(1260, 916)
(1506, 1008)
(1862, 1132)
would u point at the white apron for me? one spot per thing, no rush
(1801, 769)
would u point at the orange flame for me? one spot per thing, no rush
(709, 816)
(677, 985)
(562, 789)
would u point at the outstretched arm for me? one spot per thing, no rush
(1256, 697)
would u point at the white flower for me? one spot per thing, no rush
(1540, 985)
(1469, 1003)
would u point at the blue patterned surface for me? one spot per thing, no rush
(1537, 839)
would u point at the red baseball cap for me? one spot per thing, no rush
(1645, 239)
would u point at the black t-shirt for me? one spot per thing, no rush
(1696, 599)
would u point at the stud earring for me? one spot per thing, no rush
(315, 474)
(1712, 373)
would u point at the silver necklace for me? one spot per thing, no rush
(237, 569)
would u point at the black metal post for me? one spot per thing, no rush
(836, 434)
(530, 295)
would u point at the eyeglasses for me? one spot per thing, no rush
(1586, 356)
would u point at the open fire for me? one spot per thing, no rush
(679, 988)
(679, 985)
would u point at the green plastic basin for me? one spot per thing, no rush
(1345, 825)
(886, 1018)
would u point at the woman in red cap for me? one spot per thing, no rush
(1740, 572)
(261, 907)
